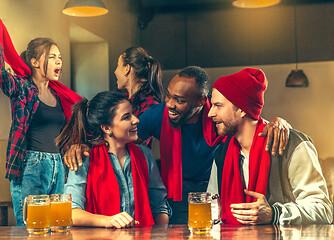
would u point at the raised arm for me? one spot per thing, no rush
(7, 81)
(8, 53)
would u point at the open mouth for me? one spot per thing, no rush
(217, 123)
(134, 130)
(57, 71)
(173, 114)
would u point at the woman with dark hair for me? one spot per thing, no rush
(119, 184)
(40, 106)
(140, 74)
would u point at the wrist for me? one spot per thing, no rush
(275, 215)
(272, 214)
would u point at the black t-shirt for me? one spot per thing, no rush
(45, 127)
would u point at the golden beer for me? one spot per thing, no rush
(199, 212)
(36, 214)
(61, 212)
(200, 216)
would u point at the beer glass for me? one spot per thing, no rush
(199, 212)
(36, 213)
(61, 212)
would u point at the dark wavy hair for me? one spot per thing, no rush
(145, 67)
(87, 118)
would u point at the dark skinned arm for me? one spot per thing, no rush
(277, 132)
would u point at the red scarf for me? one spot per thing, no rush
(67, 96)
(232, 186)
(171, 151)
(102, 193)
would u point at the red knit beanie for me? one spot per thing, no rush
(245, 89)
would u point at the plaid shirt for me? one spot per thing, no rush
(24, 102)
(23, 94)
(141, 101)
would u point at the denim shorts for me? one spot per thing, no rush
(43, 173)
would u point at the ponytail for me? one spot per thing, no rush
(154, 78)
(145, 67)
(75, 130)
(87, 118)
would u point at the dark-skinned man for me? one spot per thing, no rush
(187, 137)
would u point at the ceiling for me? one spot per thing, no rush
(171, 3)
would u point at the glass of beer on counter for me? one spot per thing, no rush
(200, 217)
(61, 212)
(36, 213)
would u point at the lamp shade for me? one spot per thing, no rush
(85, 8)
(255, 3)
(296, 78)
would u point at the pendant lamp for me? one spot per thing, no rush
(85, 8)
(254, 3)
(297, 77)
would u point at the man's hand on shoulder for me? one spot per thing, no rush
(277, 132)
(73, 155)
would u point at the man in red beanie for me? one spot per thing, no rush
(187, 138)
(255, 186)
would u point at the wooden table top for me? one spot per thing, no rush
(264, 232)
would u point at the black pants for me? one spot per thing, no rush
(180, 208)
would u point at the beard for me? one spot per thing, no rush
(230, 129)
(182, 120)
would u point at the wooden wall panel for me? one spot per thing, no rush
(229, 36)
(165, 39)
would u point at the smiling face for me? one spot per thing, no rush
(182, 100)
(226, 115)
(124, 124)
(121, 72)
(54, 65)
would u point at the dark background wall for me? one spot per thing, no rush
(218, 34)
(223, 39)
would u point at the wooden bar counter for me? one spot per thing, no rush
(263, 232)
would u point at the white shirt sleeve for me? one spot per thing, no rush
(213, 181)
(306, 189)
(213, 189)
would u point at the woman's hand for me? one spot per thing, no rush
(120, 220)
(73, 155)
(81, 217)
(277, 133)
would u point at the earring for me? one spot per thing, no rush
(110, 134)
